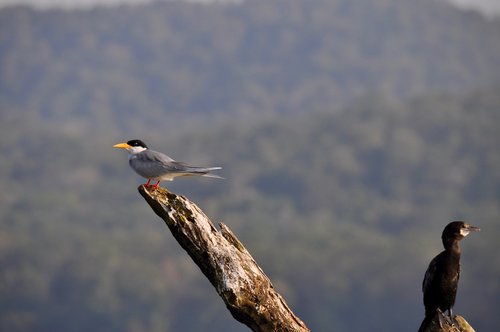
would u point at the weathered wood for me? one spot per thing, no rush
(443, 323)
(245, 289)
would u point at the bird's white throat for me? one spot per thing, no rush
(135, 149)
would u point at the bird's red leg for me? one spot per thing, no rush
(157, 184)
(147, 183)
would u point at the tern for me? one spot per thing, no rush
(154, 165)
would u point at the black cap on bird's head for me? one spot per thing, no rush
(133, 146)
(457, 230)
(137, 142)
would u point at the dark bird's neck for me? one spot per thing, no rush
(452, 246)
(452, 258)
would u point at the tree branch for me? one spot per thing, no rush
(442, 323)
(240, 282)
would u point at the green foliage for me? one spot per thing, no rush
(340, 199)
(132, 64)
(342, 210)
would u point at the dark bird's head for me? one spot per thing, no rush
(456, 231)
(133, 146)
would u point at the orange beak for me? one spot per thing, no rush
(122, 146)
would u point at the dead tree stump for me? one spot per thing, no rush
(443, 323)
(240, 282)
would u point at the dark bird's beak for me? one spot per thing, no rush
(466, 229)
(471, 228)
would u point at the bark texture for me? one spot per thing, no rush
(442, 323)
(245, 289)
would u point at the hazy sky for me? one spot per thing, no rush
(78, 3)
(489, 7)
(67, 3)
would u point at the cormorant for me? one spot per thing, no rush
(441, 278)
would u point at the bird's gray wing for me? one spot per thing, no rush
(152, 164)
(176, 166)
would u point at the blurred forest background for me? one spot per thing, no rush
(350, 132)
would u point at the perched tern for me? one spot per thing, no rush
(154, 165)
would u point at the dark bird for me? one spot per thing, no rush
(154, 165)
(441, 278)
